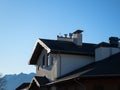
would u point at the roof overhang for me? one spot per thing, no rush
(38, 81)
(34, 82)
(70, 77)
(39, 46)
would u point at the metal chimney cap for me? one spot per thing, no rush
(78, 31)
(114, 41)
(115, 38)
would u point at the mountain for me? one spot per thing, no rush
(13, 81)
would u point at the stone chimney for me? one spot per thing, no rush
(77, 37)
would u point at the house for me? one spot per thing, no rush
(69, 64)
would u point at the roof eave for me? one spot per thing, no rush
(73, 53)
(37, 50)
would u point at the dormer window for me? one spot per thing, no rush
(50, 60)
(43, 61)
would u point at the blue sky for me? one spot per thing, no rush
(22, 22)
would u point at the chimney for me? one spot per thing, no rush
(77, 37)
(114, 41)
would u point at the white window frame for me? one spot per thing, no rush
(49, 60)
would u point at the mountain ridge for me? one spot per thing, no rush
(15, 80)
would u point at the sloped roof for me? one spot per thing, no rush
(69, 47)
(23, 86)
(41, 80)
(106, 67)
(103, 44)
(64, 47)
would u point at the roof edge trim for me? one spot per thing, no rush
(35, 46)
(43, 45)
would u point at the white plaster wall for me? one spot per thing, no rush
(49, 71)
(44, 52)
(119, 45)
(104, 52)
(72, 62)
(115, 50)
(101, 53)
(77, 39)
(62, 64)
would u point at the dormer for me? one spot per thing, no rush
(104, 50)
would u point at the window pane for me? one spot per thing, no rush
(50, 60)
(44, 60)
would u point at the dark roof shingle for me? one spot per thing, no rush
(69, 47)
(23, 86)
(41, 80)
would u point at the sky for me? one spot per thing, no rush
(22, 22)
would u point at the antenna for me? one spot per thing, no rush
(60, 35)
(65, 35)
